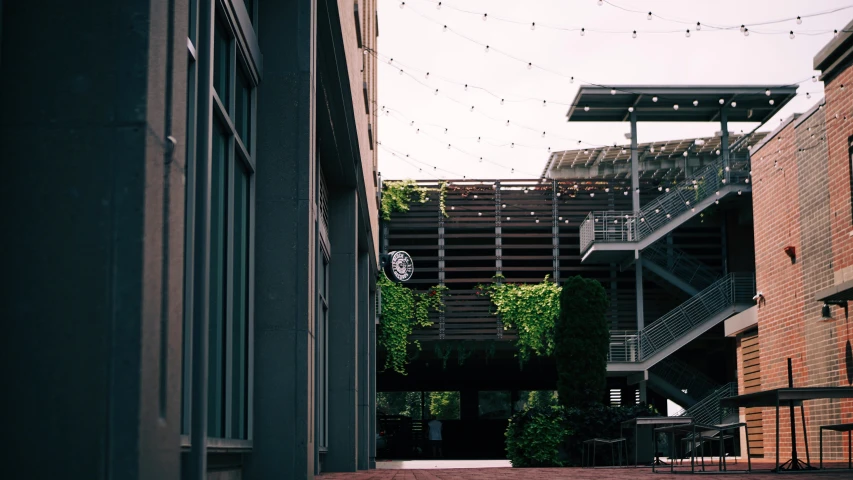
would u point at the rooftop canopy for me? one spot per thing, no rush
(745, 103)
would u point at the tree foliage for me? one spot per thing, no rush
(396, 196)
(582, 340)
(444, 405)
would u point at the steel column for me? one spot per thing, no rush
(635, 204)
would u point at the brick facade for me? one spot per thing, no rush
(802, 199)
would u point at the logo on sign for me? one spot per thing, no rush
(402, 266)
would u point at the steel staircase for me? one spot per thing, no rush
(634, 351)
(707, 411)
(609, 235)
(678, 268)
(680, 382)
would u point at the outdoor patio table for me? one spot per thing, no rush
(782, 396)
(650, 421)
(696, 429)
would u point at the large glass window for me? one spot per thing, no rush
(404, 404)
(322, 351)
(227, 210)
(535, 399)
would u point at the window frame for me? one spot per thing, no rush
(243, 53)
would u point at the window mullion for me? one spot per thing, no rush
(230, 178)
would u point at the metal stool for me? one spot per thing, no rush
(589, 448)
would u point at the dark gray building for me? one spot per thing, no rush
(191, 229)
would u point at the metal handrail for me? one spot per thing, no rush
(706, 182)
(634, 346)
(684, 377)
(681, 264)
(707, 410)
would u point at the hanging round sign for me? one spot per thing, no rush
(399, 266)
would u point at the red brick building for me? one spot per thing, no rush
(803, 219)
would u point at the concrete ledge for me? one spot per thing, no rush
(741, 322)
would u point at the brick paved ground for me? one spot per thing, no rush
(562, 473)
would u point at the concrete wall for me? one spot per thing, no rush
(93, 236)
(363, 69)
(792, 207)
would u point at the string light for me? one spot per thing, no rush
(655, 99)
(649, 16)
(687, 34)
(746, 32)
(583, 31)
(533, 26)
(791, 35)
(634, 35)
(734, 104)
(487, 49)
(799, 21)
(675, 107)
(698, 26)
(630, 109)
(695, 103)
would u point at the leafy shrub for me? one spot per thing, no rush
(553, 436)
(534, 437)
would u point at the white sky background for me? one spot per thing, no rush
(708, 57)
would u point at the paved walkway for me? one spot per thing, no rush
(492, 470)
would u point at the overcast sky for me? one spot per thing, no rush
(413, 36)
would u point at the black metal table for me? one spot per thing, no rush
(696, 429)
(661, 421)
(792, 397)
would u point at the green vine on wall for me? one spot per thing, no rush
(402, 311)
(529, 308)
(397, 196)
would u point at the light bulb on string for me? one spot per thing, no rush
(655, 99)
(799, 21)
(649, 16)
(814, 78)
(600, 2)
(507, 123)
(543, 134)
(772, 102)
(722, 101)
(613, 91)
(485, 16)
(533, 26)
(427, 75)
(634, 35)
(512, 145)
(401, 71)
(675, 107)
(734, 104)
(529, 65)
(746, 32)
(472, 108)
(687, 33)
(402, 4)
(583, 31)
(835, 33)
(586, 108)
(630, 109)
(695, 103)
(466, 87)
(742, 28)
(502, 101)
(572, 80)
(698, 26)
(444, 29)
(791, 35)
(448, 146)
(436, 92)
(767, 92)
(487, 49)
(544, 103)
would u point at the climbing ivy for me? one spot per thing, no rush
(442, 198)
(529, 308)
(402, 310)
(396, 196)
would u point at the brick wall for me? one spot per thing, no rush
(839, 129)
(794, 206)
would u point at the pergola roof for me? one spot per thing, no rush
(752, 103)
(649, 152)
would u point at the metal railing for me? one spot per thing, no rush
(707, 411)
(612, 226)
(633, 346)
(684, 377)
(681, 264)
